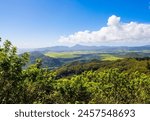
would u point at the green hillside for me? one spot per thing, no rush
(121, 81)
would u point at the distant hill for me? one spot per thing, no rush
(88, 48)
(53, 57)
(46, 61)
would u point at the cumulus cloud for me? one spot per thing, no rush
(115, 32)
(113, 20)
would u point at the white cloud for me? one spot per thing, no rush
(113, 20)
(115, 32)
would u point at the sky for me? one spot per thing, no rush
(45, 23)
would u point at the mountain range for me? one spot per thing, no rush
(88, 48)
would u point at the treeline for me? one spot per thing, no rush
(122, 81)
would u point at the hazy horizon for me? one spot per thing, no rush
(84, 45)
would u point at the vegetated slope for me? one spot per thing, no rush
(124, 81)
(68, 55)
(128, 64)
(71, 56)
(46, 61)
(89, 55)
(87, 60)
(121, 81)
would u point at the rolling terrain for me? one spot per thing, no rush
(53, 57)
(57, 59)
(74, 77)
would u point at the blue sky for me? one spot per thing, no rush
(41, 23)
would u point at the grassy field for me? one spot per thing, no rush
(61, 54)
(109, 57)
(75, 54)
(72, 54)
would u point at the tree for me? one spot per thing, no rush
(11, 73)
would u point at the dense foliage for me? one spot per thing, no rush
(121, 81)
